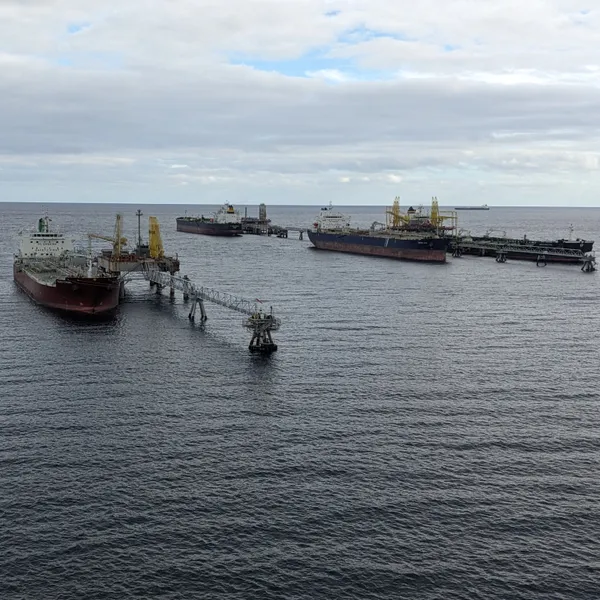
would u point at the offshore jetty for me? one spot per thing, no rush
(424, 235)
(502, 248)
(418, 234)
(263, 226)
(149, 262)
(55, 273)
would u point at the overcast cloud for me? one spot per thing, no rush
(300, 101)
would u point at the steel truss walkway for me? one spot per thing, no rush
(260, 323)
(523, 249)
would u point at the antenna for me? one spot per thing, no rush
(139, 214)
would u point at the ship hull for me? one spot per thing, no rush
(207, 228)
(75, 295)
(425, 250)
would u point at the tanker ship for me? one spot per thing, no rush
(48, 270)
(482, 207)
(225, 222)
(417, 235)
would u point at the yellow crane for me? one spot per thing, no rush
(118, 241)
(437, 217)
(154, 239)
(393, 216)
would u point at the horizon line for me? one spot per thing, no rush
(477, 206)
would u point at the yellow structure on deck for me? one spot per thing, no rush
(394, 218)
(437, 217)
(154, 239)
(118, 241)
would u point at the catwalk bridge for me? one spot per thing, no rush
(540, 253)
(148, 261)
(259, 322)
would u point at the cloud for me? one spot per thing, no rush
(303, 99)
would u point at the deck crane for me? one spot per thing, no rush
(438, 217)
(396, 220)
(118, 241)
(154, 239)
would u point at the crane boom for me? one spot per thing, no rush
(118, 241)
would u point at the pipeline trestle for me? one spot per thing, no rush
(261, 323)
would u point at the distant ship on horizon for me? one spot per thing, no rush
(482, 207)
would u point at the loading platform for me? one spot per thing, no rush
(522, 251)
(259, 322)
(148, 261)
(282, 232)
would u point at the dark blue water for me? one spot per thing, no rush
(423, 432)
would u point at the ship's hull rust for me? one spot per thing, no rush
(81, 295)
(426, 250)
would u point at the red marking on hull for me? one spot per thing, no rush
(81, 295)
(424, 255)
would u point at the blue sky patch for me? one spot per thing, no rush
(315, 60)
(363, 34)
(64, 61)
(318, 59)
(73, 28)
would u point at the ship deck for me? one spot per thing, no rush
(47, 272)
(384, 233)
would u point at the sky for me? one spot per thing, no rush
(300, 101)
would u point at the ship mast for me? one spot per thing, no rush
(117, 237)
(89, 257)
(139, 214)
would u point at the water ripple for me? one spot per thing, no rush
(423, 433)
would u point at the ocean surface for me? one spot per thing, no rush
(423, 432)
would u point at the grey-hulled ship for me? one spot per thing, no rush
(225, 222)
